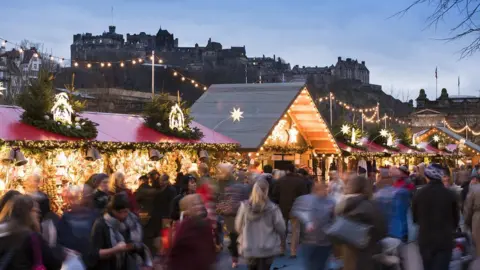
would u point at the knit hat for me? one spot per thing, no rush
(434, 171)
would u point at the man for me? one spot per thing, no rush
(395, 202)
(315, 211)
(306, 178)
(144, 196)
(286, 191)
(335, 187)
(435, 210)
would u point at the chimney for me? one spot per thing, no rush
(339, 58)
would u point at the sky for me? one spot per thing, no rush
(401, 52)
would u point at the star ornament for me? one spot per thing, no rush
(236, 114)
(436, 138)
(384, 133)
(345, 129)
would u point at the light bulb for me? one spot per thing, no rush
(160, 61)
(102, 64)
(140, 60)
(89, 65)
(196, 85)
(35, 55)
(121, 64)
(75, 64)
(204, 88)
(183, 78)
(193, 81)
(20, 50)
(134, 62)
(109, 64)
(175, 73)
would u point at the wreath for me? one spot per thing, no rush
(38, 102)
(158, 114)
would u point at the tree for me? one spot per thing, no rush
(37, 99)
(467, 11)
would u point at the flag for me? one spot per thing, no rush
(436, 75)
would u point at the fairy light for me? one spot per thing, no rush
(89, 65)
(140, 60)
(183, 78)
(160, 61)
(175, 73)
(102, 64)
(109, 64)
(122, 64)
(76, 64)
(134, 62)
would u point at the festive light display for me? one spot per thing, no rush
(176, 118)
(465, 128)
(292, 135)
(236, 114)
(279, 133)
(62, 110)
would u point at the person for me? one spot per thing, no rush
(315, 211)
(160, 215)
(394, 203)
(187, 186)
(401, 178)
(7, 197)
(335, 186)
(286, 191)
(178, 181)
(261, 228)
(472, 211)
(306, 178)
(118, 185)
(75, 225)
(21, 245)
(144, 197)
(436, 212)
(100, 194)
(357, 206)
(268, 175)
(118, 236)
(418, 175)
(193, 247)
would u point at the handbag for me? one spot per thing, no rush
(346, 231)
(37, 253)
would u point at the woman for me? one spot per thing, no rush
(7, 197)
(118, 237)
(100, 195)
(193, 247)
(187, 186)
(21, 245)
(118, 185)
(358, 207)
(261, 227)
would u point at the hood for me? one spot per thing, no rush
(254, 212)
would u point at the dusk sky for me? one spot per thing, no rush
(399, 52)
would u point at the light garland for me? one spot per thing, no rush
(466, 127)
(184, 78)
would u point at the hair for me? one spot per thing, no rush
(118, 202)
(143, 178)
(358, 185)
(114, 181)
(185, 181)
(290, 168)
(259, 194)
(152, 173)
(17, 212)
(7, 197)
(267, 168)
(188, 201)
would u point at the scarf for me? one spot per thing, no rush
(119, 229)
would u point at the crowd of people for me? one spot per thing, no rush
(257, 213)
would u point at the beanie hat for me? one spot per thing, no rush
(434, 171)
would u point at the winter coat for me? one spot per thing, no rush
(286, 190)
(19, 243)
(472, 213)
(395, 203)
(193, 247)
(319, 211)
(231, 198)
(435, 210)
(162, 202)
(260, 230)
(359, 208)
(74, 230)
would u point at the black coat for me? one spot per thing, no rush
(22, 257)
(435, 210)
(144, 196)
(100, 200)
(286, 190)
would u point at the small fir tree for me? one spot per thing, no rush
(37, 99)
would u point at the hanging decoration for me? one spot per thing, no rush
(350, 135)
(170, 118)
(293, 135)
(53, 113)
(280, 133)
(236, 114)
(386, 138)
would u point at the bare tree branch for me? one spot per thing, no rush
(467, 10)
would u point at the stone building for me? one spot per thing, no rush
(457, 110)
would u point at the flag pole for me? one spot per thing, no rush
(153, 74)
(331, 113)
(459, 85)
(436, 83)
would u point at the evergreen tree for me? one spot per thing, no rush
(37, 99)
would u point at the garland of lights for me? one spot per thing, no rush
(286, 149)
(466, 127)
(111, 147)
(167, 117)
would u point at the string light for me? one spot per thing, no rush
(184, 78)
(122, 64)
(89, 65)
(175, 73)
(75, 64)
(160, 61)
(466, 127)
(134, 62)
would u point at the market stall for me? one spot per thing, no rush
(275, 123)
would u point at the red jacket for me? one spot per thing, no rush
(193, 247)
(403, 183)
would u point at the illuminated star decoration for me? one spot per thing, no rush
(436, 138)
(345, 129)
(384, 133)
(236, 114)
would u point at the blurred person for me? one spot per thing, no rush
(401, 178)
(286, 191)
(21, 245)
(208, 191)
(118, 237)
(335, 186)
(261, 228)
(418, 176)
(306, 178)
(268, 176)
(466, 188)
(394, 203)
(144, 197)
(75, 226)
(187, 186)
(178, 180)
(101, 194)
(357, 206)
(118, 185)
(7, 197)
(472, 211)
(315, 211)
(160, 215)
(436, 212)
(278, 174)
(193, 247)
